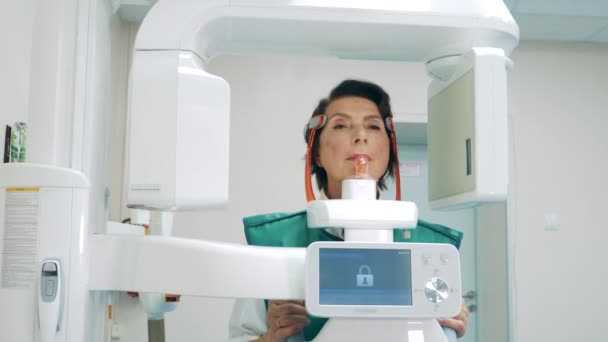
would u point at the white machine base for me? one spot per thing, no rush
(391, 330)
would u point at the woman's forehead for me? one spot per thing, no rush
(351, 107)
(347, 116)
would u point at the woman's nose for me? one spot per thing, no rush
(359, 136)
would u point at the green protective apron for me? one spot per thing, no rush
(291, 230)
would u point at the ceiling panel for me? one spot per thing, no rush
(559, 27)
(510, 3)
(591, 8)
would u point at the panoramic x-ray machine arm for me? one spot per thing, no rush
(172, 96)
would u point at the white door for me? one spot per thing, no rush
(414, 187)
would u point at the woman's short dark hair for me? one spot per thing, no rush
(352, 88)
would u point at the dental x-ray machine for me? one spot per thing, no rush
(464, 44)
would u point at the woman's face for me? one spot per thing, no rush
(354, 127)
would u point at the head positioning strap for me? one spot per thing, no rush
(315, 123)
(389, 123)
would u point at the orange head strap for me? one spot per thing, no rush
(317, 122)
(389, 123)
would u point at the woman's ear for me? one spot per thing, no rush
(318, 160)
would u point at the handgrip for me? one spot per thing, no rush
(49, 299)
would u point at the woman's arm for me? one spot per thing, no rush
(285, 318)
(250, 321)
(459, 322)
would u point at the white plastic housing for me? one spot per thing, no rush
(353, 329)
(417, 31)
(178, 141)
(195, 267)
(467, 132)
(359, 189)
(362, 214)
(43, 215)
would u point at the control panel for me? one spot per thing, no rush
(382, 280)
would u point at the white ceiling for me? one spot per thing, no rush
(561, 20)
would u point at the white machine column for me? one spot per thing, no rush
(43, 211)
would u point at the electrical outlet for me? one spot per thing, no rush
(115, 332)
(550, 222)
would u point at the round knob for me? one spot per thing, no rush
(436, 290)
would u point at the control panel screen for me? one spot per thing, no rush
(361, 276)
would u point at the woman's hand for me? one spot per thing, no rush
(459, 322)
(285, 318)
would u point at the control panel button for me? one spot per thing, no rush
(426, 258)
(436, 290)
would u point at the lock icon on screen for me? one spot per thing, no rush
(365, 278)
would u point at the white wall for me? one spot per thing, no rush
(559, 117)
(16, 18)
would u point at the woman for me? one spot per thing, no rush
(352, 126)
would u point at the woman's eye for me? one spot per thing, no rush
(339, 126)
(374, 127)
